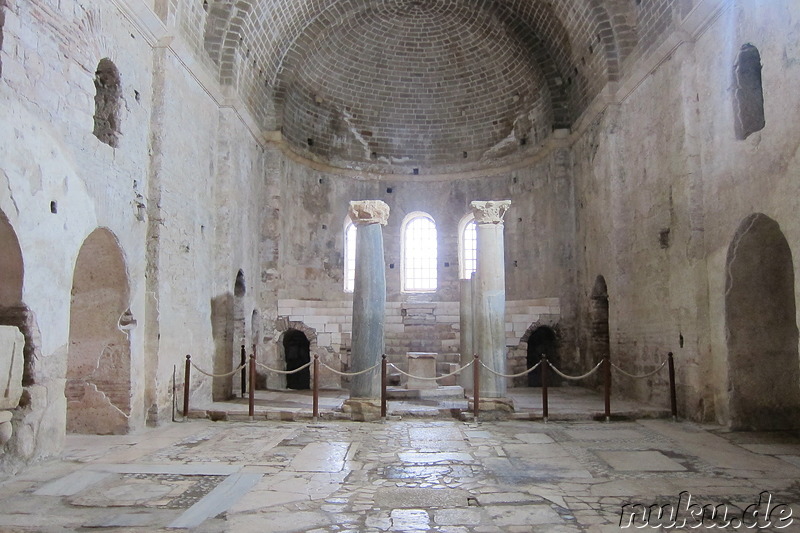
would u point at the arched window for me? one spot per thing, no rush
(467, 246)
(107, 102)
(419, 253)
(748, 96)
(349, 255)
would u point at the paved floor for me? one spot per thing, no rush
(408, 475)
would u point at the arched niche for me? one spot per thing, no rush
(297, 352)
(599, 342)
(761, 328)
(543, 340)
(98, 375)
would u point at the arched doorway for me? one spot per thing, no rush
(239, 329)
(15, 370)
(98, 387)
(599, 344)
(761, 328)
(296, 349)
(543, 341)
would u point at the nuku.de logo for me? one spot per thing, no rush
(761, 514)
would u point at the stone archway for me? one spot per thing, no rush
(599, 342)
(14, 358)
(297, 352)
(761, 328)
(239, 330)
(98, 387)
(543, 340)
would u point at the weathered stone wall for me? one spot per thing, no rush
(181, 194)
(662, 185)
(410, 327)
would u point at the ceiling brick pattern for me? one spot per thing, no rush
(337, 72)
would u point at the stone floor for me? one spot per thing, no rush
(409, 475)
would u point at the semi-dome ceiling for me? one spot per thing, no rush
(416, 85)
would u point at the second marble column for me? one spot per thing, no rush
(369, 296)
(490, 295)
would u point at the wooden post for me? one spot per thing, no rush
(252, 403)
(383, 386)
(476, 387)
(608, 388)
(673, 396)
(186, 375)
(243, 360)
(315, 400)
(545, 406)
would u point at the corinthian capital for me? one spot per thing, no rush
(364, 212)
(490, 212)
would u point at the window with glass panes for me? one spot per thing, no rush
(420, 254)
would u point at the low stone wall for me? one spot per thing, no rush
(411, 327)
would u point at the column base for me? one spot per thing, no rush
(494, 408)
(363, 409)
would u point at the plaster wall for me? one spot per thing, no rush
(661, 187)
(52, 162)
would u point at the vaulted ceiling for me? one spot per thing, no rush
(389, 85)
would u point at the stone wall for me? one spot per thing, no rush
(662, 185)
(409, 327)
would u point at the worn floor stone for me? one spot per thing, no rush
(443, 476)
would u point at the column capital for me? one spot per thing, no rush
(490, 212)
(364, 212)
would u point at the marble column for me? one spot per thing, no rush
(490, 295)
(465, 333)
(369, 296)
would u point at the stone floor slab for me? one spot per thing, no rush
(640, 461)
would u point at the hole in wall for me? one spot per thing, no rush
(389, 190)
(107, 102)
(53, 207)
(416, 171)
(748, 95)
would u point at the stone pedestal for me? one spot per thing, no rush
(369, 296)
(421, 364)
(490, 295)
(11, 365)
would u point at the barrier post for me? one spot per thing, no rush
(673, 397)
(545, 413)
(315, 398)
(243, 360)
(186, 375)
(252, 403)
(383, 386)
(608, 388)
(476, 387)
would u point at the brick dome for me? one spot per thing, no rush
(404, 86)
(415, 83)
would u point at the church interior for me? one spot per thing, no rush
(191, 164)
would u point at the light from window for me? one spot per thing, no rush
(349, 257)
(469, 250)
(420, 256)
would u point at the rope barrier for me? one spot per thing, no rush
(531, 369)
(232, 372)
(576, 378)
(429, 378)
(654, 372)
(373, 367)
(284, 372)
